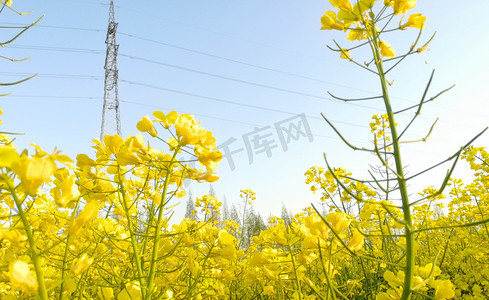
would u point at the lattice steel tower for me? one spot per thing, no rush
(111, 123)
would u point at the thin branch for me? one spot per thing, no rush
(384, 163)
(391, 16)
(20, 33)
(349, 49)
(451, 157)
(429, 100)
(334, 231)
(343, 139)
(407, 54)
(351, 60)
(422, 139)
(17, 82)
(379, 15)
(453, 226)
(446, 247)
(418, 105)
(445, 181)
(11, 133)
(370, 181)
(378, 183)
(411, 51)
(392, 216)
(344, 187)
(354, 99)
(428, 42)
(13, 59)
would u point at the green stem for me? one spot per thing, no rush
(152, 267)
(194, 284)
(150, 218)
(408, 227)
(294, 266)
(240, 244)
(65, 255)
(43, 294)
(132, 233)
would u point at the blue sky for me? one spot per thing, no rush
(237, 65)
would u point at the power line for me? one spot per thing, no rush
(58, 49)
(209, 55)
(190, 26)
(190, 70)
(168, 109)
(85, 2)
(88, 77)
(209, 116)
(227, 101)
(220, 33)
(51, 75)
(199, 52)
(72, 76)
(55, 27)
(222, 119)
(235, 79)
(206, 54)
(263, 108)
(56, 97)
(189, 50)
(243, 63)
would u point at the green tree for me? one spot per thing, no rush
(214, 215)
(286, 215)
(225, 209)
(190, 208)
(254, 225)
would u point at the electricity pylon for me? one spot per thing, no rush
(111, 123)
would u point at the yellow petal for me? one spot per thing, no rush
(386, 50)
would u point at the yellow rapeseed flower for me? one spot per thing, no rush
(268, 290)
(415, 21)
(7, 156)
(145, 125)
(81, 264)
(166, 120)
(329, 21)
(357, 34)
(356, 241)
(33, 171)
(339, 221)
(345, 54)
(344, 5)
(7, 2)
(22, 277)
(66, 189)
(402, 6)
(105, 293)
(386, 50)
(444, 289)
(209, 158)
(89, 212)
(113, 142)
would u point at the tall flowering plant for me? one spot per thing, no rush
(366, 24)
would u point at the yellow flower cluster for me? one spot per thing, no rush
(360, 21)
(379, 126)
(98, 230)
